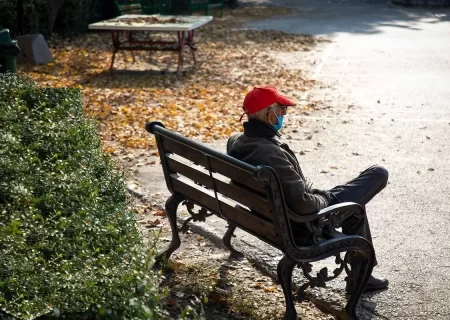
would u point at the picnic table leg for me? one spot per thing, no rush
(180, 52)
(192, 46)
(116, 45)
(130, 40)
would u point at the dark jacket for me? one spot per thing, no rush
(258, 145)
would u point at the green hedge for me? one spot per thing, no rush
(67, 239)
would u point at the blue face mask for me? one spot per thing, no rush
(279, 124)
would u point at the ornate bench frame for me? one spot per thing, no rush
(252, 200)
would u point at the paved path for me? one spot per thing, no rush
(386, 76)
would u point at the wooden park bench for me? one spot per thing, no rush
(251, 199)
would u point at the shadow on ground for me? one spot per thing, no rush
(352, 16)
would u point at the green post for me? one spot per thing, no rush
(8, 52)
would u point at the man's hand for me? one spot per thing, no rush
(308, 186)
(323, 193)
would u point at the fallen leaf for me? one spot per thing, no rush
(172, 302)
(217, 297)
(174, 265)
(153, 223)
(160, 213)
(230, 64)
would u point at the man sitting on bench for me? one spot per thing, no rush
(259, 145)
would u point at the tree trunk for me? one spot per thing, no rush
(232, 4)
(20, 17)
(54, 6)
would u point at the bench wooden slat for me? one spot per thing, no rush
(246, 197)
(243, 218)
(235, 174)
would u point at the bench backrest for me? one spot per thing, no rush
(247, 196)
(156, 6)
(126, 7)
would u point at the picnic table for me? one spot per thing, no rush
(184, 26)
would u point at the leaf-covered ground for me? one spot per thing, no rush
(203, 104)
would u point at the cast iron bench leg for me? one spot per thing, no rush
(284, 272)
(171, 209)
(364, 272)
(226, 240)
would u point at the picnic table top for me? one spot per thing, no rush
(154, 22)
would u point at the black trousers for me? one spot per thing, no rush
(360, 190)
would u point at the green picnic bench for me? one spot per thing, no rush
(164, 6)
(142, 7)
(205, 6)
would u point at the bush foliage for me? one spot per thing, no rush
(67, 238)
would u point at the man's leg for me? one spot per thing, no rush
(360, 190)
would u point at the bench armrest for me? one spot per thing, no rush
(334, 214)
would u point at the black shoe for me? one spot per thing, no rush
(376, 284)
(372, 285)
